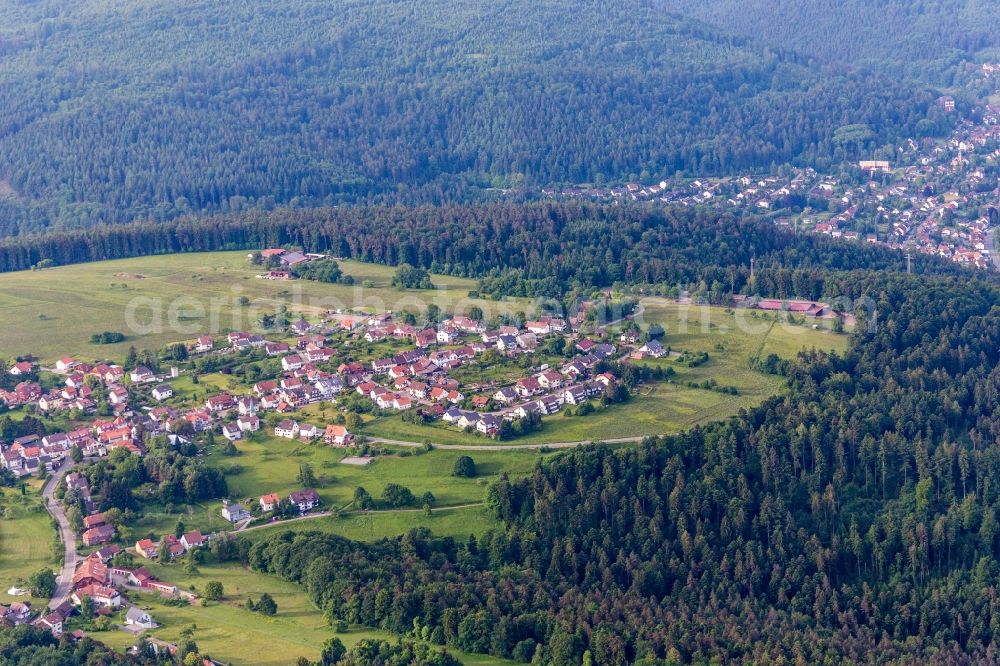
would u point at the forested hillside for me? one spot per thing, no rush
(853, 520)
(155, 110)
(515, 250)
(922, 39)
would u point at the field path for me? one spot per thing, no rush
(507, 447)
(65, 583)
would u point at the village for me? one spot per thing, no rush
(496, 381)
(933, 197)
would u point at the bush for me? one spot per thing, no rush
(214, 590)
(107, 338)
(397, 496)
(465, 467)
(42, 583)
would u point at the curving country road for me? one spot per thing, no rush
(65, 582)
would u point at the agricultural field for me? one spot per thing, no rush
(58, 309)
(227, 631)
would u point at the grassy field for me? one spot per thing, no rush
(373, 525)
(27, 538)
(269, 464)
(52, 313)
(228, 632)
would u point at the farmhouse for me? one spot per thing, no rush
(337, 435)
(136, 617)
(147, 548)
(98, 535)
(287, 429)
(21, 368)
(653, 348)
(220, 403)
(91, 572)
(64, 364)
(101, 595)
(269, 502)
(141, 375)
(248, 423)
(307, 431)
(234, 513)
(488, 424)
(163, 391)
(304, 500)
(193, 539)
(53, 622)
(232, 432)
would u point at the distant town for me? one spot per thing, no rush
(932, 196)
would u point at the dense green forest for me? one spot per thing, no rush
(517, 250)
(156, 110)
(853, 520)
(920, 39)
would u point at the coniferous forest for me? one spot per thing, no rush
(155, 111)
(515, 250)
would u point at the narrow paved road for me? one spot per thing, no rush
(506, 447)
(65, 583)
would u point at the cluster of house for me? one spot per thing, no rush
(98, 580)
(29, 454)
(174, 545)
(304, 501)
(418, 378)
(77, 392)
(414, 378)
(286, 259)
(96, 530)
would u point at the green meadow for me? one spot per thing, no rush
(27, 540)
(52, 313)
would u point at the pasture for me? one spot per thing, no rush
(162, 299)
(27, 538)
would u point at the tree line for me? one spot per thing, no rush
(516, 250)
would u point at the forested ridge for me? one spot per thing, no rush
(853, 520)
(155, 111)
(520, 250)
(920, 39)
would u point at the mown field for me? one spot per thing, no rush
(229, 632)
(27, 539)
(53, 312)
